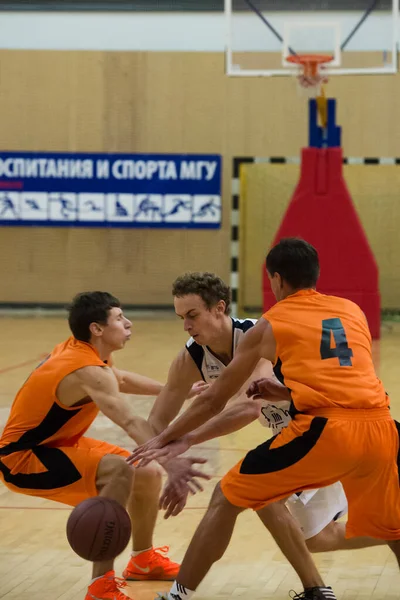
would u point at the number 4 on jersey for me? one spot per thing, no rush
(342, 350)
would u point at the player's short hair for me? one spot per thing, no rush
(296, 261)
(87, 308)
(208, 286)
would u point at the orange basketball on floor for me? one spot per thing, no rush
(98, 529)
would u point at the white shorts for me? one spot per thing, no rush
(315, 509)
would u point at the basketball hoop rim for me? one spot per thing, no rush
(309, 59)
(310, 75)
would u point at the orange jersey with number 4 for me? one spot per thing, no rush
(323, 351)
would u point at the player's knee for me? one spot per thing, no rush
(217, 499)
(114, 468)
(148, 479)
(329, 538)
(220, 502)
(314, 543)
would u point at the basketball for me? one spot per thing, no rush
(98, 529)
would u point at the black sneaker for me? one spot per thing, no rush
(315, 593)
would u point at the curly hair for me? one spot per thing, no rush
(208, 286)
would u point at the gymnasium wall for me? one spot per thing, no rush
(169, 102)
(266, 191)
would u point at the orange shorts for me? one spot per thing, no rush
(360, 448)
(65, 474)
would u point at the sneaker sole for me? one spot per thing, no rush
(149, 577)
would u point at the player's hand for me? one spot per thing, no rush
(182, 470)
(268, 389)
(144, 453)
(182, 480)
(197, 388)
(173, 499)
(173, 449)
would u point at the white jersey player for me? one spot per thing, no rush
(274, 416)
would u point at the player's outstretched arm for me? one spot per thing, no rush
(257, 343)
(100, 384)
(134, 383)
(235, 417)
(182, 376)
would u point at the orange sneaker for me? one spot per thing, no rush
(107, 588)
(151, 565)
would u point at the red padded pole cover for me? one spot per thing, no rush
(321, 211)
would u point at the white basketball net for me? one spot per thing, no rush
(310, 84)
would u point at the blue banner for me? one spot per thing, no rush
(110, 190)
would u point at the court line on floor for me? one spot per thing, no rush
(23, 364)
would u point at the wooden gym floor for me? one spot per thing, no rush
(36, 562)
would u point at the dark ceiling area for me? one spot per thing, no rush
(188, 5)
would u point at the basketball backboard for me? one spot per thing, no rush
(360, 35)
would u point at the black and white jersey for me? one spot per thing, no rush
(210, 367)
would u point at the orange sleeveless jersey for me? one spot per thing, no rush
(323, 350)
(37, 417)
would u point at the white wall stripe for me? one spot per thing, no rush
(234, 308)
(355, 161)
(234, 280)
(275, 160)
(235, 217)
(235, 186)
(234, 249)
(295, 160)
(387, 161)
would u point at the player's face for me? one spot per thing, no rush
(200, 322)
(118, 329)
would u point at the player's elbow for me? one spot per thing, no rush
(134, 427)
(108, 406)
(122, 386)
(119, 375)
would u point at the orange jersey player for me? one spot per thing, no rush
(341, 429)
(43, 449)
